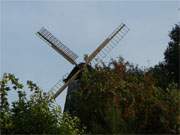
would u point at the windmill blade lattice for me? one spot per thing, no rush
(56, 87)
(60, 89)
(57, 45)
(117, 35)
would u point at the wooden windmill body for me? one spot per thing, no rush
(72, 80)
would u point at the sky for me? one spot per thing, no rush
(81, 26)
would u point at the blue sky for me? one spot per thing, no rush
(82, 26)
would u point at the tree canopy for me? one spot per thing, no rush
(167, 71)
(38, 114)
(124, 99)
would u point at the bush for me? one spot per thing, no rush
(37, 115)
(124, 99)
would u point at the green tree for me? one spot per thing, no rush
(172, 54)
(38, 114)
(167, 71)
(121, 98)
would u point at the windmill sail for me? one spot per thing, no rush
(109, 43)
(115, 37)
(66, 84)
(57, 45)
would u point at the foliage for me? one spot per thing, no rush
(172, 54)
(121, 98)
(37, 115)
(167, 71)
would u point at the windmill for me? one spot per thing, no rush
(101, 51)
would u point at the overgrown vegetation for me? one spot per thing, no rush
(124, 99)
(38, 114)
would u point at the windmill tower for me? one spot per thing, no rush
(100, 52)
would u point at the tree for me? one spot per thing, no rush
(167, 71)
(121, 98)
(35, 115)
(172, 54)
